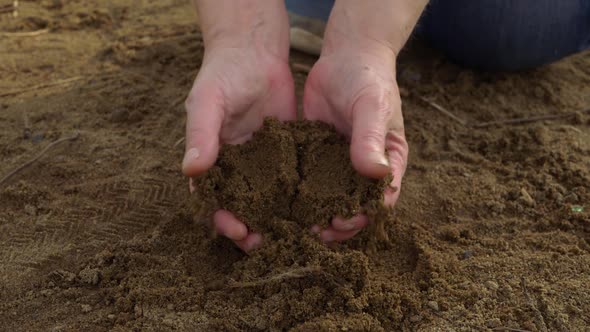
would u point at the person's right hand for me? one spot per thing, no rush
(236, 88)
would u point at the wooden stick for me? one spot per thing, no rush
(24, 34)
(443, 111)
(529, 119)
(30, 162)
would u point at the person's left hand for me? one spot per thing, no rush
(356, 91)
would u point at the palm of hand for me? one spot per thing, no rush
(227, 104)
(360, 97)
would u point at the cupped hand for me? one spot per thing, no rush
(355, 90)
(233, 92)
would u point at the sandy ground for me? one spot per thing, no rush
(492, 231)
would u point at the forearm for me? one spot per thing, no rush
(245, 23)
(385, 24)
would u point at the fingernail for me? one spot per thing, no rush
(380, 159)
(189, 156)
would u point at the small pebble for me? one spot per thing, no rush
(111, 316)
(467, 254)
(494, 322)
(90, 276)
(433, 305)
(415, 319)
(526, 197)
(492, 285)
(30, 210)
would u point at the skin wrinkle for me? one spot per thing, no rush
(258, 37)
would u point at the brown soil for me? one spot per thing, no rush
(492, 230)
(297, 171)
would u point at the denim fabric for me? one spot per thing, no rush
(507, 34)
(318, 9)
(494, 34)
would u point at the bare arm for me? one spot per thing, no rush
(372, 23)
(245, 23)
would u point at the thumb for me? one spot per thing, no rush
(370, 117)
(204, 119)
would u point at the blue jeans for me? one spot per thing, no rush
(494, 34)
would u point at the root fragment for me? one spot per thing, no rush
(290, 274)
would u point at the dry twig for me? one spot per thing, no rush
(41, 154)
(24, 34)
(179, 142)
(529, 119)
(291, 274)
(42, 86)
(443, 110)
(499, 122)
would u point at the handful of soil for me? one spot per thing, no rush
(293, 171)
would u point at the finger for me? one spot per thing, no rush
(204, 109)
(330, 235)
(191, 185)
(397, 151)
(370, 116)
(252, 241)
(229, 226)
(316, 229)
(354, 223)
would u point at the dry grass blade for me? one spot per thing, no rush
(290, 274)
(37, 157)
(443, 111)
(42, 86)
(24, 34)
(180, 141)
(529, 119)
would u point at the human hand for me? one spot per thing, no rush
(234, 91)
(355, 90)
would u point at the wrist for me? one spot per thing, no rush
(260, 24)
(362, 51)
(376, 24)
